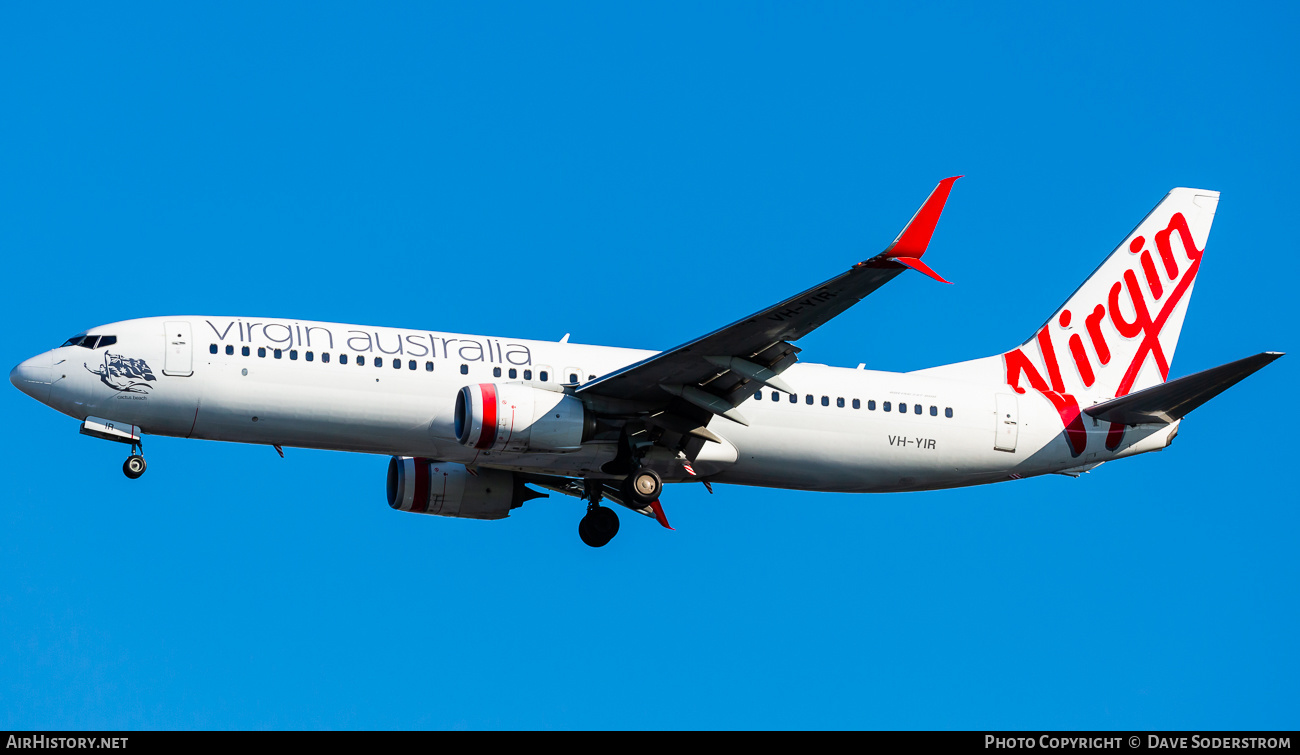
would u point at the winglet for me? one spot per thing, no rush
(914, 239)
(659, 513)
(921, 267)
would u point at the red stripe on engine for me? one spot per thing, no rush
(420, 499)
(488, 436)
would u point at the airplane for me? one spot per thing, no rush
(471, 421)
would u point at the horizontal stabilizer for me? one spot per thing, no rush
(1168, 402)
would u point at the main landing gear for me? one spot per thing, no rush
(599, 526)
(643, 486)
(134, 465)
(640, 489)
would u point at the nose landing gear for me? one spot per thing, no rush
(134, 465)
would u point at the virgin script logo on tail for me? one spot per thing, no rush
(1119, 339)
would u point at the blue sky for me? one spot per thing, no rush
(637, 176)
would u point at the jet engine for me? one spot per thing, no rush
(508, 417)
(423, 486)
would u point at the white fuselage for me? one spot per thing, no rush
(325, 390)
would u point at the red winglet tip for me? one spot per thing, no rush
(921, 267)
(914, 239)
(659, 514)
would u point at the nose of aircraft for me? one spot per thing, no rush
(34, 377)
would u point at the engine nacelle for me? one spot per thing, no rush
(508, 417)
(423, 486)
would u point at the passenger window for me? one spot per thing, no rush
(543, 375)
(592, 377)
(397, 364)
(839, 402)
(496, 372)
(934, 411)
(244, 351)
(211, 349)
(277, 353)
(871, 405)
(513, 373)
(261, 351)
(428, 366)
(916, 408)
(776, 396)
(826, 400)
(948, 412)
(794, 399)
(464, 369)
(379, 361)
(857, 404)
(573, 377)
(343, 358)
(325, 357)
(528, 374)
(410, 365)
(310, 356)
(808, 399)
(293, 353)
(230, 351)
(886, 406)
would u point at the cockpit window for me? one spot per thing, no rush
(90, 342)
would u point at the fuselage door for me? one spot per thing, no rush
(1008, 423)
(179, 358)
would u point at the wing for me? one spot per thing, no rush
(681, 388)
